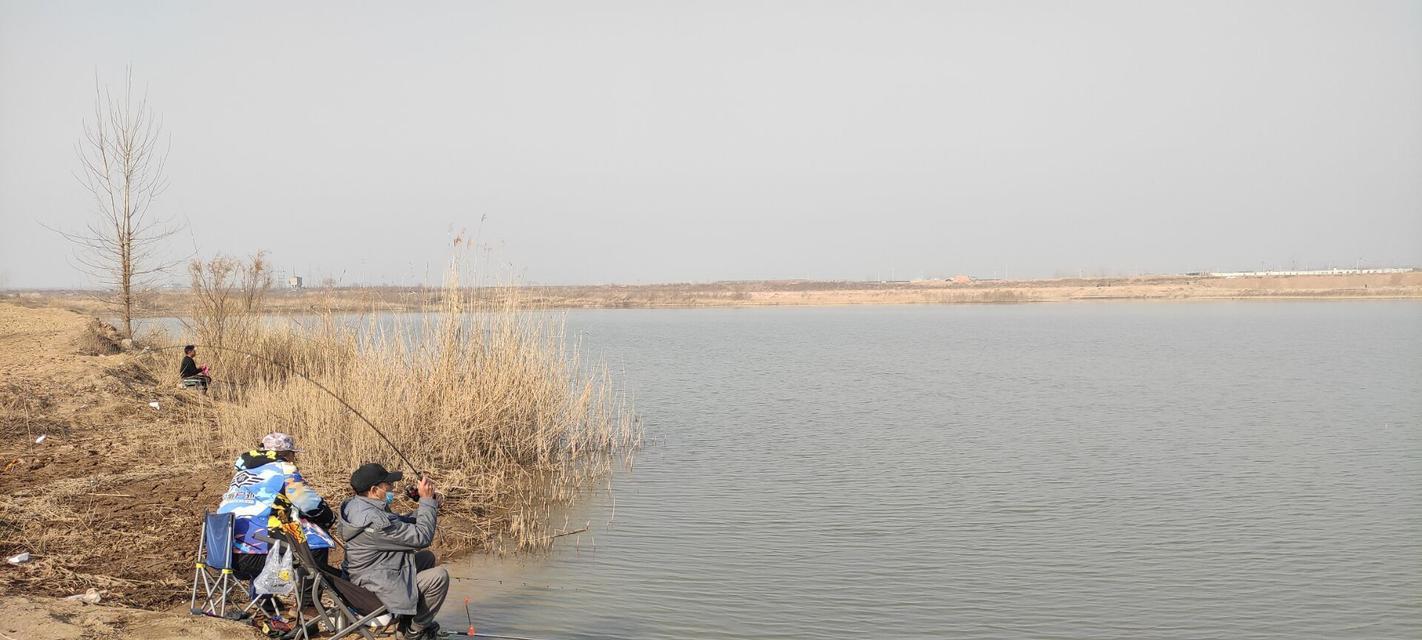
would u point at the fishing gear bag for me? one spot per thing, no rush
(276, 577)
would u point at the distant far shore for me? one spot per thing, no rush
(1406, 284)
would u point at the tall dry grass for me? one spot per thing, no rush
(488, 398)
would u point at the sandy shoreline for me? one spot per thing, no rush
(800, 293)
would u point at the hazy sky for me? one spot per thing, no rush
(669, 141)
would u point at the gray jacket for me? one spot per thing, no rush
(381, 546)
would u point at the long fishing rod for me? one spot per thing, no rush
(307, 378)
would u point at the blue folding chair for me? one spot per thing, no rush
(212, 577)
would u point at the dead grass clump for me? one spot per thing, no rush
(98, 339)
(1002, 295)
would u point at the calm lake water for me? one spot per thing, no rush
(1116, 470)
(1094, 470)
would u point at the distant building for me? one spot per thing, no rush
(961, 279)
(293, 282)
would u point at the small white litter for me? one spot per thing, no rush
(41, 438)
(19, 559)
(153, 404)
(92, 596)
(379, 621)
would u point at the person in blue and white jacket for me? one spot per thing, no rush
(261, 476)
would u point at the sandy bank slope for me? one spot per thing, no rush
(102, 501)
(105, 500)
(39, 618)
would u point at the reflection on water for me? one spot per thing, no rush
(1079, 471)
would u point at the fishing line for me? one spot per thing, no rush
(461, 634)
(318, 385)
(455, 634)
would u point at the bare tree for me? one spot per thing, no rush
(228, 297)
(122, 155)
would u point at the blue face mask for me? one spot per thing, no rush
(389, 498)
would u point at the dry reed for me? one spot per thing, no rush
(490, 399)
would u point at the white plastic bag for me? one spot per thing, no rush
(276, 577)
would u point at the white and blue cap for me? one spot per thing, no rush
(278, 441)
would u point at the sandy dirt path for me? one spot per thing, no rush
(40, 618)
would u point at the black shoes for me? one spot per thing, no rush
(430, 632)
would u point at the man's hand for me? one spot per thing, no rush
(426, 488)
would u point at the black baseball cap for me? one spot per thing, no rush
(371, 474)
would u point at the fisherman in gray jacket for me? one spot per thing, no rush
(386, 553)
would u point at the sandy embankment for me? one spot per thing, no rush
(1155, 288)
(101, 502)
(803, 293)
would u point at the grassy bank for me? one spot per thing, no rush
(495, 404)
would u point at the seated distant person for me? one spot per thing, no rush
(262, 477)
(190, 369)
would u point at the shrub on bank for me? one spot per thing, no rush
(490, 399)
